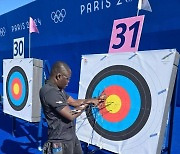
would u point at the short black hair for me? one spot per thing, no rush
(59, 67)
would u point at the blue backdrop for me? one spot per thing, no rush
(69, 29)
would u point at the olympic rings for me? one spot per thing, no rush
(58, 16)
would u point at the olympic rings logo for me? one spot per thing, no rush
(2, 31)
(58, 16)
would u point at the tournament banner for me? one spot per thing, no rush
(62, 22)
(139, 89)
(69, 29)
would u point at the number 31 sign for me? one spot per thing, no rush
(126, 34)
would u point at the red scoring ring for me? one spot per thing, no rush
(16, 81)
(125, 104)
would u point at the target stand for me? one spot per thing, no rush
(139, 89)
(22, 80)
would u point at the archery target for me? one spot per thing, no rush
(118, 118)
(22, 78)
(138, 89)
(17, 88)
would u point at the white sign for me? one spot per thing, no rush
(18, 48)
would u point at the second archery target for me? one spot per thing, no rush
(22, 79)
(17, 88)
(137, 86)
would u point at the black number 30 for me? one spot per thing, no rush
(18, 48)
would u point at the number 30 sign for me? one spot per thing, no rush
(18, 48)
(126, 34)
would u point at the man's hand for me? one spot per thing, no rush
(96, 101)
(102, 97)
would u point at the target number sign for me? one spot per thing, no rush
(17, 88)
(126, 34)
(18, 48)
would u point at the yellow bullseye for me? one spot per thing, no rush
(16, 88)
(113, 103)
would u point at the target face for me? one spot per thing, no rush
(128, 104)
(17, 88)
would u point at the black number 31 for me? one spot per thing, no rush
(120, 35)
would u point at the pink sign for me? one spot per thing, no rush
(126, 34)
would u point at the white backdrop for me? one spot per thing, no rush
(139, 89)
(22, 80)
